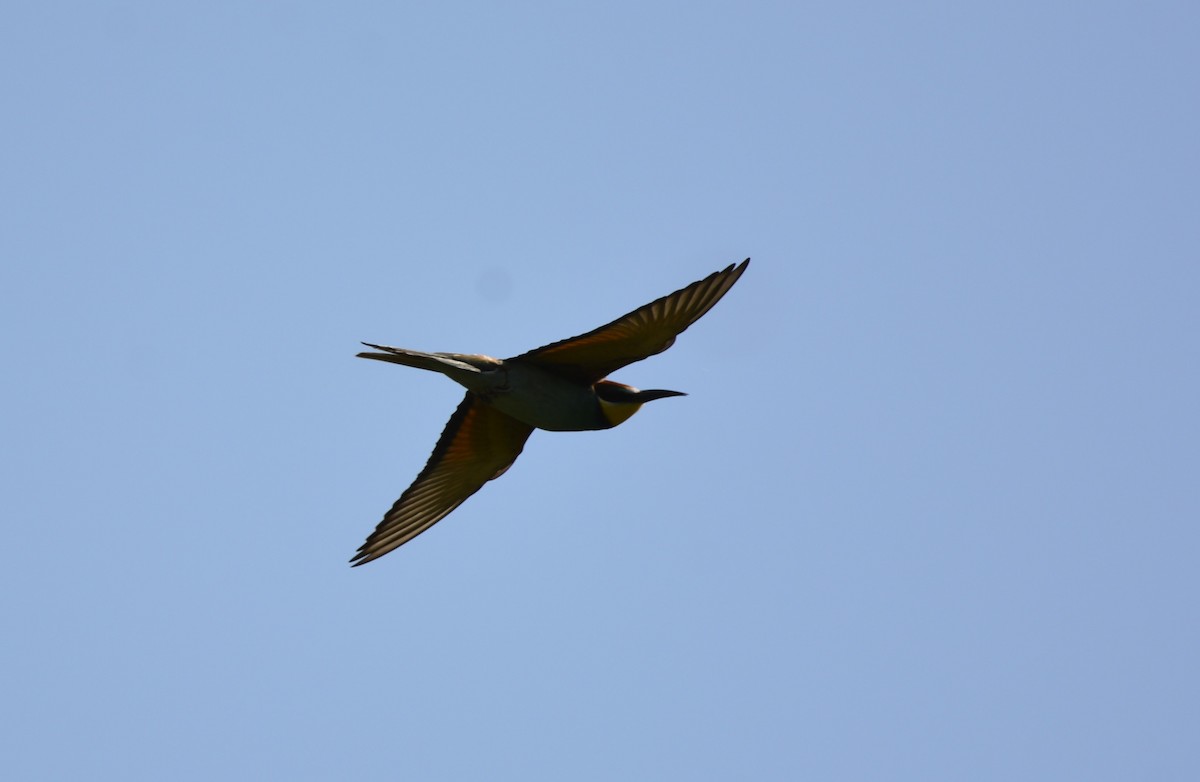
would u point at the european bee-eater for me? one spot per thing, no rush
(562, 387)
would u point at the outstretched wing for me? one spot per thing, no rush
(642, 333)
(478, 444)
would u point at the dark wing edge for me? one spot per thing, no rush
(478, 444)
(644, 332)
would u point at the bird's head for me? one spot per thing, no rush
(619, 401)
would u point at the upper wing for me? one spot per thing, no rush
(642, 333)
(478, 444)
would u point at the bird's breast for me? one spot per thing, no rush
(545, 400)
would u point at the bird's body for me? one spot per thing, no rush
(561, 387)
(538, 397)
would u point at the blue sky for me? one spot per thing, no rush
(928, 512)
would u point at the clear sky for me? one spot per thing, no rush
(929, 512)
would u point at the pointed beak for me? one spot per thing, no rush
(650, 395)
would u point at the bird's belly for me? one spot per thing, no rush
(547, 401)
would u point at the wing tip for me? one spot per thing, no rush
(363, 556)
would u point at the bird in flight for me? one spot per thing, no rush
(561, 387)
